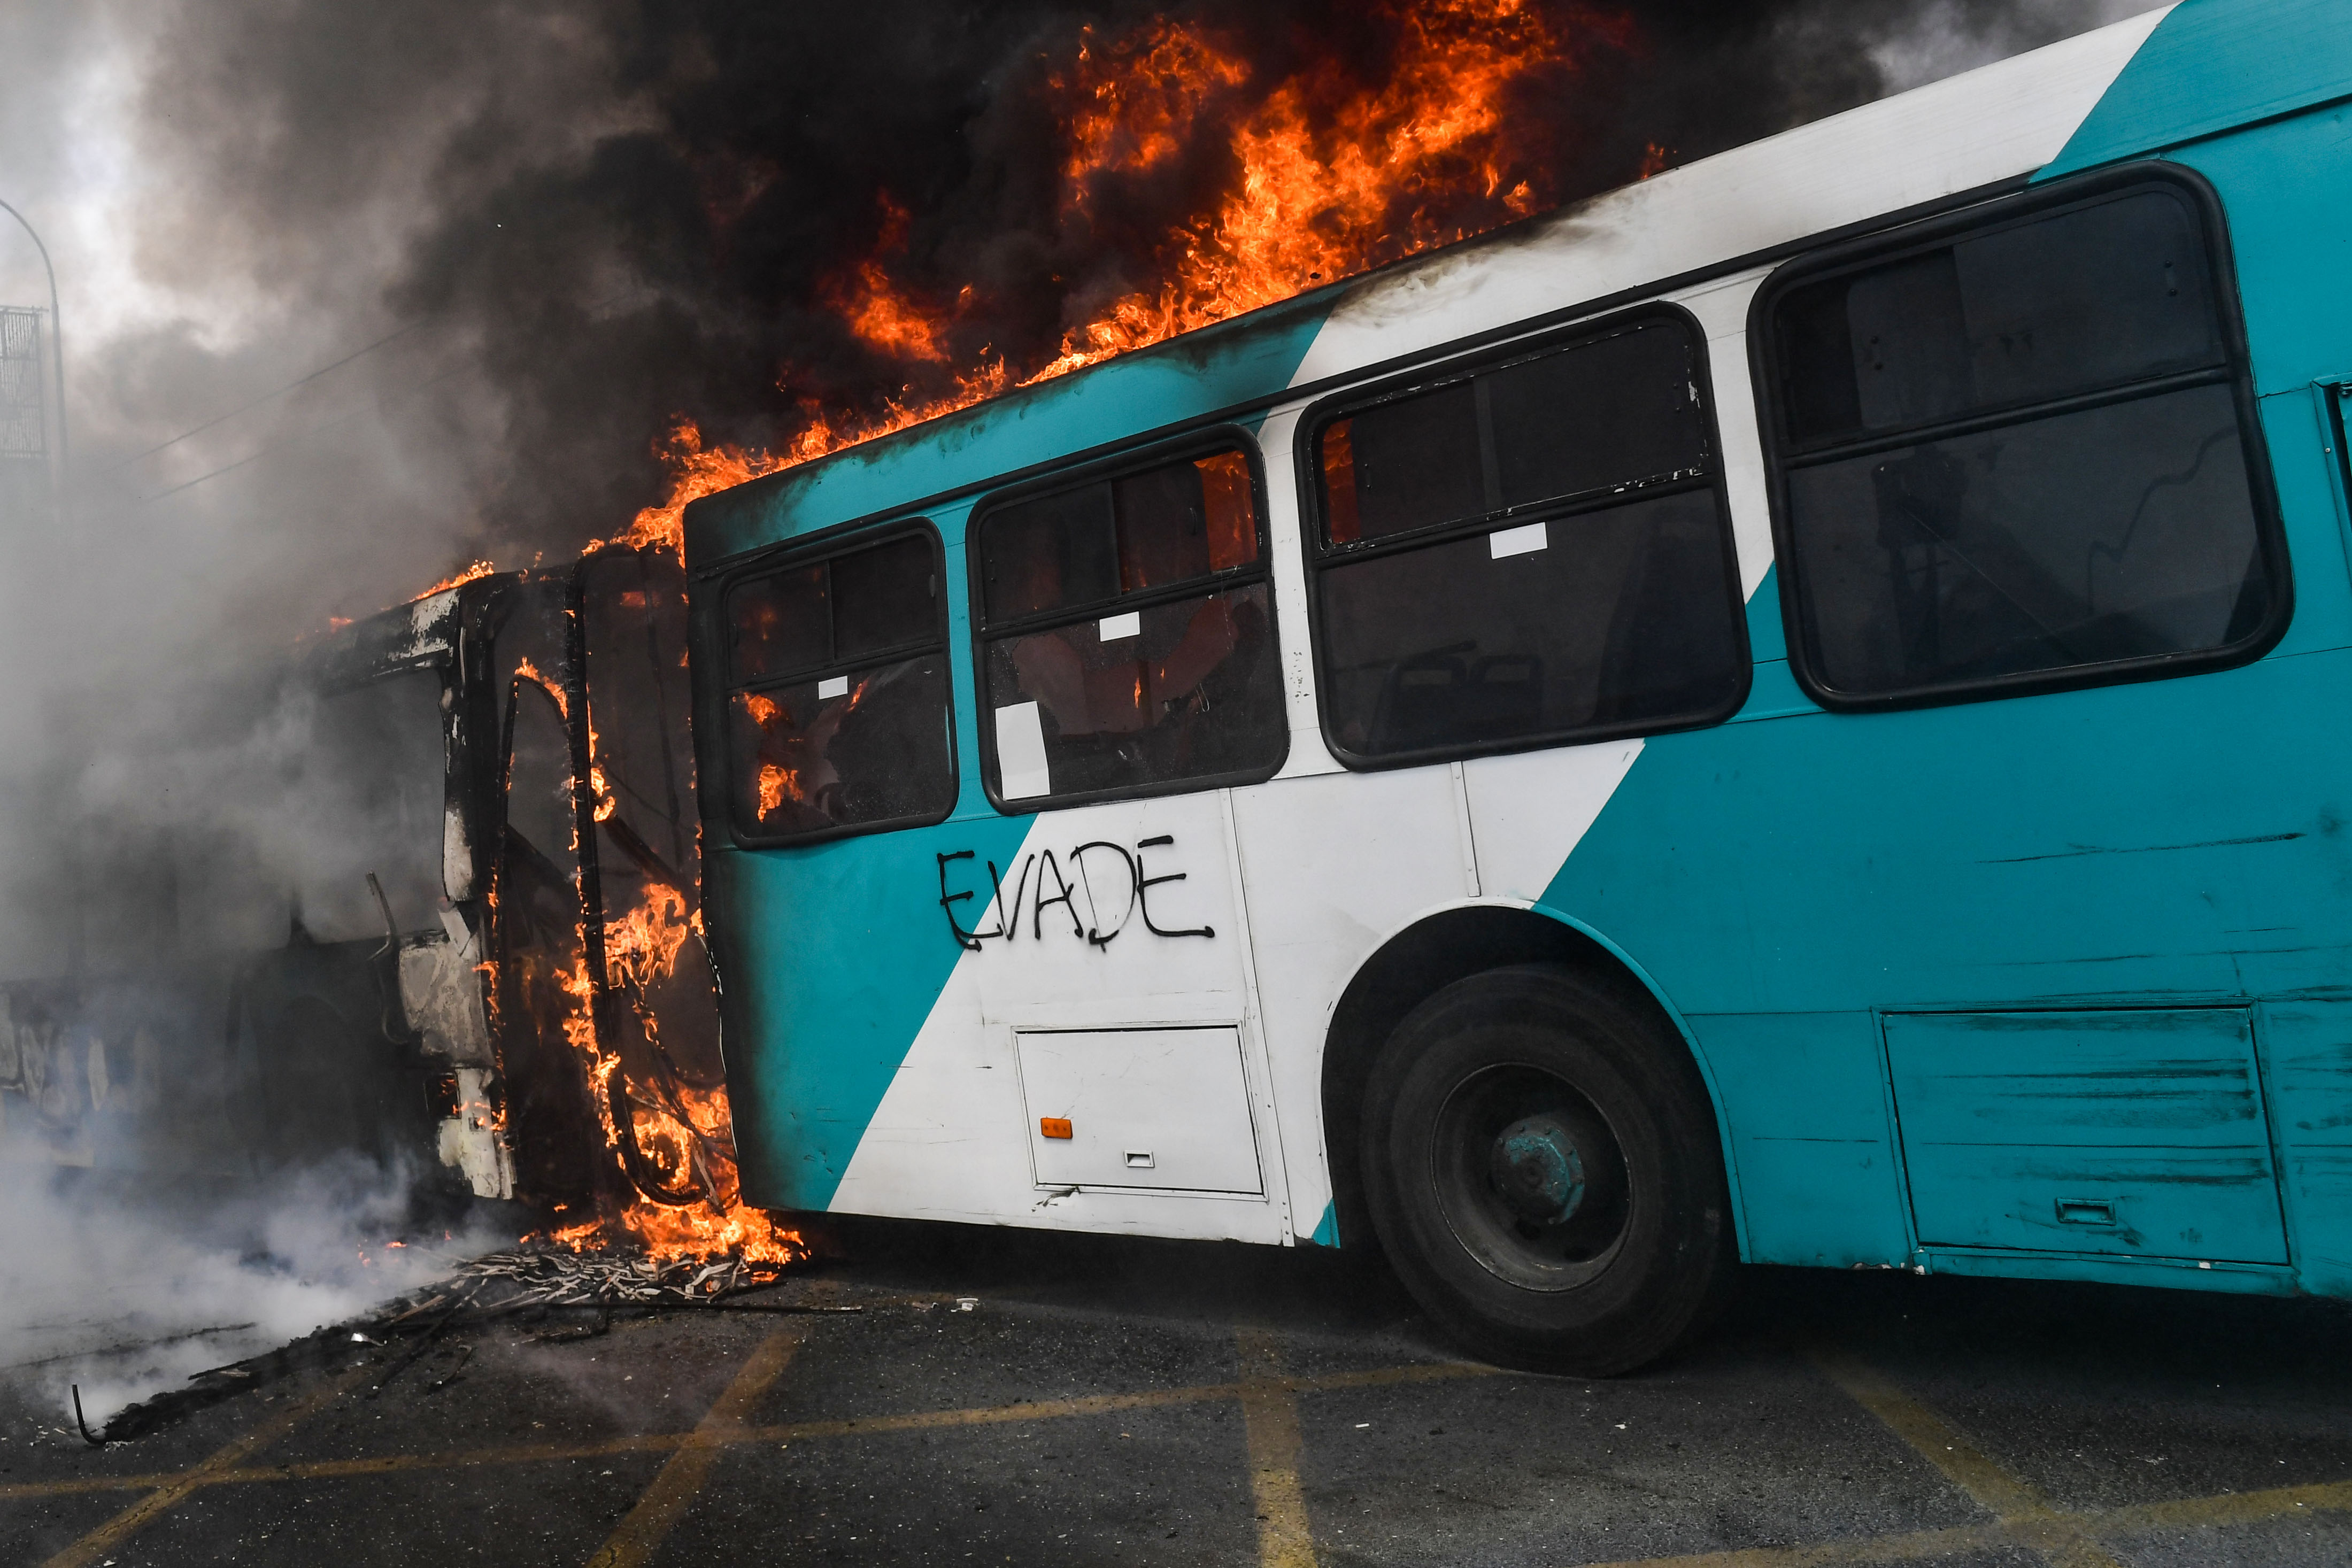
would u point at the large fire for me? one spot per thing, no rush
(1329, 177)
(686, 1133)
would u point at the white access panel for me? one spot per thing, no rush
(1166, 1108)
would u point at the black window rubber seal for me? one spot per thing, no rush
(1443, 366)
(829, 546)
(1933, 233)
(1190, 443)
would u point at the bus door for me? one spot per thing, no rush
(1129, 677)
(538, 954)
(1114, 960)
(658, 1011)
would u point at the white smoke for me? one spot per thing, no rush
(126, 1293)
(1945, 37)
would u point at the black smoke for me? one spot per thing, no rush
(621, 212)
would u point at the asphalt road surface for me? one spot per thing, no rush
(1101, 1401)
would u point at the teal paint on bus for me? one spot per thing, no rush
(1247, 360)
(2137, 1133)
(2210, 67)
(1327, 1229)
(1791, 885)
(1767, 639)
(839, 951)
(1782, 880)
(1816, 1171)
(2287, 188)
(844, 948)
(2307, 1055)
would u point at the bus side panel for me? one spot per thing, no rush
(2307, 1069)
(2287, 191)
(2160, 843)
(1810, 1135)
(835, 956)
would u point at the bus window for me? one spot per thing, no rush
(837, 708)
(2017, 458)
(1129, 639)
(1531, 553)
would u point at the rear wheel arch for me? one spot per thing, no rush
(1423, 958)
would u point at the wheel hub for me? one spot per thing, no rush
(1539, 1170)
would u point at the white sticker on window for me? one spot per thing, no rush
(1524, 541)
(838, 686)
(1112, 628)
(1021, 753)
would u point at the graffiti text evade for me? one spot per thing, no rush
(1060, 885)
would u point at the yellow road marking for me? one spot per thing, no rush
(1910, 1547)
(1270, 1420)
(2233, 1508)
(2024, 1512)
(1918, 1424)
(659, 1442)
(638, 1536)
(176, 1489)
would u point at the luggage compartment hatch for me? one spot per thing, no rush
(2132, 1132)
(1161, 1108)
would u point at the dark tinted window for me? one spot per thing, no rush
(1058, 550)
(838, 715)
(1129, 637)
(780, 623)
(1399, 466)
(1534, 553)
(1615, 413)
(2023, 313)
(1621, 410)
(883, 598)
(2017, 454)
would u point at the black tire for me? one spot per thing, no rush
(1542, 1166)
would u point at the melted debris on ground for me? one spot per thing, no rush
(527, 1284)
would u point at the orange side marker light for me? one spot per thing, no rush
(1054, 1126)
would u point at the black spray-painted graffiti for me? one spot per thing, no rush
(1064, 894)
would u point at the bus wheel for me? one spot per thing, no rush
(1541, 1164)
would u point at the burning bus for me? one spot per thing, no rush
(492, 971)
(542, 953)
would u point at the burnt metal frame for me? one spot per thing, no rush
(1445, 367)
(1781, 454)
(1199, 443)
(572, 678)
(831, 545)
(568, 696)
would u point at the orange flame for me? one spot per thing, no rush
(776, 783)
(471, 570)
(879, 313)
(1139, 100)
(695, 471)
(526, 670)
(1312, 204)
(686, 1134)
(1331, 179)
